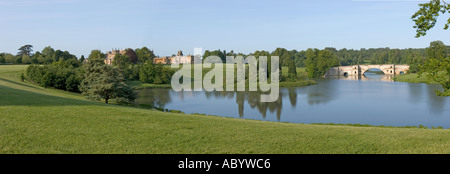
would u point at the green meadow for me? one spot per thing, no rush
(38, 120)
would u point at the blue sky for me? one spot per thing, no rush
(166, 26)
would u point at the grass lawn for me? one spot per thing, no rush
(38, 120)
(411, 78)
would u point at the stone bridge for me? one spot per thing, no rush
(356, 70)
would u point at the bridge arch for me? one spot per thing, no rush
(379, 71)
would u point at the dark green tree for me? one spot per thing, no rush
(25, 50)
(292, 70)
(96, 54)
(318, 62)
(57, 55)
(82, 59)
(217, 53)
(144, 54)
(311, 61)
(2, 59)
(48, 51)
(436, 50)
(103, 82)
(284, 55)
(18, 59)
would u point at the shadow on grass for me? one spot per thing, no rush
(16, 97)
(18, 83)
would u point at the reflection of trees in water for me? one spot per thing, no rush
(153, 97)
(253, 99)
(292, 96)
(220, 94)
(435, 102)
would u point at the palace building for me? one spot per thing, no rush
(111, 54)
(179, 59)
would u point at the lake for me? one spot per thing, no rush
(370, 99)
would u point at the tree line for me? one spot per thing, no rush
(26, 56)
(346, 57)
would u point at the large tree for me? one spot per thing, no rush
(292, 69)
(318, 62)
(437, 67)
(25, 50)
(96, 54)
(48, 51)
(104, 82)
(311, 61)
(426, 17)
(143, 54)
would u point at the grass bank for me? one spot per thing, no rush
(298, 83)
(411, 78)
(139, 85)
(38, 120)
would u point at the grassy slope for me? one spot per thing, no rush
(37, 120)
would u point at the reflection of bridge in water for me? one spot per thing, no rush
(385, 78)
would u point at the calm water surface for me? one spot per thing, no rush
(370, 99)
